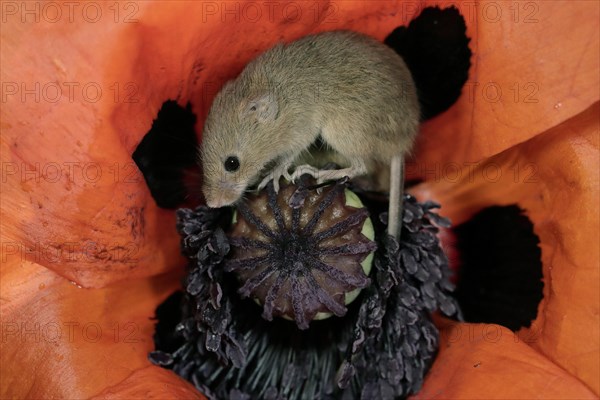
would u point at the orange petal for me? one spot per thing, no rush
(74, 152)
(151, 383)
(61, 341)
(555, 178)
(527, 76)
(479, 361)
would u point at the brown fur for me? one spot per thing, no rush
(353, 91)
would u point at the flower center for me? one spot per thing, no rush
(294, 249)
(300, 263)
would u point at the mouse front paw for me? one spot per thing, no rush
(275, 176)
(263, 184)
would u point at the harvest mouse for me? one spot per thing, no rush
(351, 91)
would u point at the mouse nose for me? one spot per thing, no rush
(213, 203)
(213, 197)
(218, 200)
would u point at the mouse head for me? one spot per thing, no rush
(237, 143)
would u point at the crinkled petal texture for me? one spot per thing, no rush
(80, 90)
(555, 178)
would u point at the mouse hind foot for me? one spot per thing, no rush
(324, 175)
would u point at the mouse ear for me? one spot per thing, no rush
(264, 107)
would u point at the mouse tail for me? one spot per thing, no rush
(435, 48)
(396, 196)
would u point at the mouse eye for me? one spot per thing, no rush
(232, 164)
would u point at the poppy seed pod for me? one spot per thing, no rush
(304, 262)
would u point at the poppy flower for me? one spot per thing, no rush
(87, 255)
